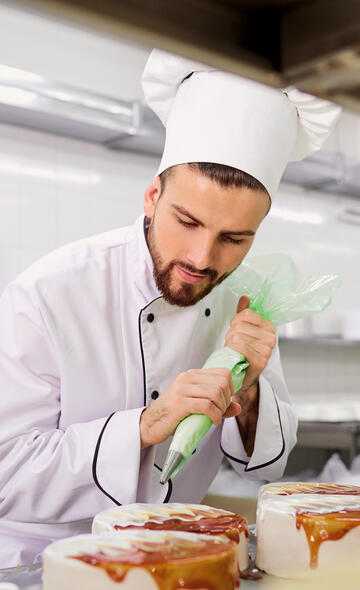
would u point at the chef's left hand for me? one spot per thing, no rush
(255, 338)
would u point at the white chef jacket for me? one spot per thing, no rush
(86, 342)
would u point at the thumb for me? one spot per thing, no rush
(234, 409)
(243, 303)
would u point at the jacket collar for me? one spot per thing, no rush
(143, 264)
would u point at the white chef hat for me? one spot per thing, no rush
(213, 116)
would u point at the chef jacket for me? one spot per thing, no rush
(86, 343)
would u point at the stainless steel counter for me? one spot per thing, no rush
(327, 407)
(329, 421)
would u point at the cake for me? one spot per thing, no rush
(141, 560)
(194, 518)
(308, 530)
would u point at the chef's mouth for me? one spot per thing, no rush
(188, 276)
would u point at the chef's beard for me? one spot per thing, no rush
(185, 295)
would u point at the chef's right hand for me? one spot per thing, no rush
(197, 391)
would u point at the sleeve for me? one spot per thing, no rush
(275, 431)
(48, 474)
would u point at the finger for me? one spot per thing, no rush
(243, 303)
(221, 375)
(208, 391)
(204, 406)
(252, 317)
(251, 332)
(234, 409)
(212, 371)
(226, 387)
(251, 349)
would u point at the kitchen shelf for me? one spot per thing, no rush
(332, 340)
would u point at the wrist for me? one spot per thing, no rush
(247, 419)
(249, 397)
(144, 437)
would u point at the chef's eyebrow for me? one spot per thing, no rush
(246, 232)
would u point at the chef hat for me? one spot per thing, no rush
(213, 116)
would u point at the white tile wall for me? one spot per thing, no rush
(55, 190)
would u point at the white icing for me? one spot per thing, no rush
(315, 503)
(108, 543)
(298, 487)
(61, 573)
(140, 514)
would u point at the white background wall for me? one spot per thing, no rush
(54, 190)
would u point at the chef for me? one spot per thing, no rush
(102, 341)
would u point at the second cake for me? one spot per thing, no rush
(195, 518)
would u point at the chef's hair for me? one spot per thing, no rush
(225, 176)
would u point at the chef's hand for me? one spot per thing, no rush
(255, 337)
(197, 391)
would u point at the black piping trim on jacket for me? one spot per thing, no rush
(170, 486)
(141, 346)
(97, 448)
(268, 462)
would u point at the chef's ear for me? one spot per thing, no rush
(151, 197)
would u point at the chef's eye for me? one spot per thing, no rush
(232, 240)
(186, 223)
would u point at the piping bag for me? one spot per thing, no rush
(280, 293)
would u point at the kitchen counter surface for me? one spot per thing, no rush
(29, 578)
(327, 407)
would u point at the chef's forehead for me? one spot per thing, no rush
(223, 175)
(248, 202)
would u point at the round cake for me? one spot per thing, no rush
(308, 530)
(141, 560)
(191, 518)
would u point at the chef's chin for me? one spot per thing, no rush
(174, 290)
(177, 292)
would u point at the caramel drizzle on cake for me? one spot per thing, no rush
(206, 564)
(325, 527)
(230, 525)
(326, 511)
(312, 488)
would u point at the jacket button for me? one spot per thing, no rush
(150, 317)
(154, 395)
(207, 312)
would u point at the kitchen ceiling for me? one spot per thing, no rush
(314, 45)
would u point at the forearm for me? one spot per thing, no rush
(70, 475)
(247, 419)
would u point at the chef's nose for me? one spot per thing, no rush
(201, 253)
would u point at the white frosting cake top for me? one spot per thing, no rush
(322, 489)
(140, 514)
(313, 503)
(109, 543)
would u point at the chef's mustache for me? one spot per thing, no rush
(205, 272)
